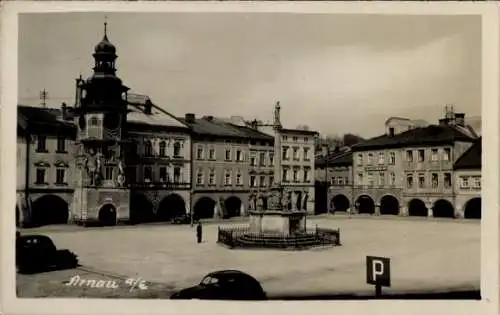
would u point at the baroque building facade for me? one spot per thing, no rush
(410, 172)
(116, 157)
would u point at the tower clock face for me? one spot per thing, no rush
(111, 121)
(81, 122)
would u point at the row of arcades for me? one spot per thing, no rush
(389, 205)
(52, 209)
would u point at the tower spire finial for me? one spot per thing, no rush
(106, 26)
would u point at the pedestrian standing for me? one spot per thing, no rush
(199, 232)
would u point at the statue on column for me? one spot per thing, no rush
(121, 173)
(260, 203)
(251, 202)
(277, 108)
(222, 207)
(304, 203)
(294, 201)
(92, 166)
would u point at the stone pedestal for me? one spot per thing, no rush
(277, 222)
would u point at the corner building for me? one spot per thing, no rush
(411, 173)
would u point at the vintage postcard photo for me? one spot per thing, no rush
(249, 155)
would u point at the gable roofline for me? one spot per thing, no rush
(471, 158)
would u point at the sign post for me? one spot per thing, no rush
(378, 273)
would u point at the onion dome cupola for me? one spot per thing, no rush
(104, 90)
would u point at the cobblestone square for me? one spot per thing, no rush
(426, 255)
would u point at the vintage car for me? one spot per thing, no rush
(38, 253)
(224, 285)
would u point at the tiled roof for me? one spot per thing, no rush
(342, 158)
(220, 128)
(44, 120)
(430, 135)
(471, 159)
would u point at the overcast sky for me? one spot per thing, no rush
(335, 73)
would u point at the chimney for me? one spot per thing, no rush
(64, 111)
(190, 118)
(148, 106)
(391, 131)
(460, 119)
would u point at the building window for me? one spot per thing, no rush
(108, 173)
(447, 180)
(177, 175)
(211, 153)
(253, 160)
(239, 155)
(360, 159)
(41, 144)
(199, 177)
(262, 159)
(392, 158)
(371, 182)
(211, 177)
(295, 139)
(252, 181)
(421, 180)
(148, 148)
(476, 182)
(199, 153)
(148, 174)
(409, 181)
(271, 180)
(94, 122)
(409, 156)
(61, 144)
(227, 177)
(285, 175)
(435, 180)
(295, 175)
(339, 181)
(434, 154)
(177, 149)
(421, 155)
(285, 138)
(296, 154)
(393, 179)
(163, 148)
(381, 158)
(360, 179)
(307, 175)
(464, 182)
(60, 176)
(306, 154)
(239, 178)
(285, 153)
(228, 154)
(271, 158)
(381, 177)
(370, 158)
(306, 139)
(163, 174)
(262, 181)
(447, 154)
(40, 176)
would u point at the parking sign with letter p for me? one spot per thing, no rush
(378, 271)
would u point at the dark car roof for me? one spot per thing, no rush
(27, 237)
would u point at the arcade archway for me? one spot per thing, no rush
(204, 208)
(389, 205)
(417, 208)
(171, 206)
(233, 207)
(365, 204)
(141, 209)
(443, 209)
(49, 209)
(339, 203)
(107, 215)
(473, 209)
